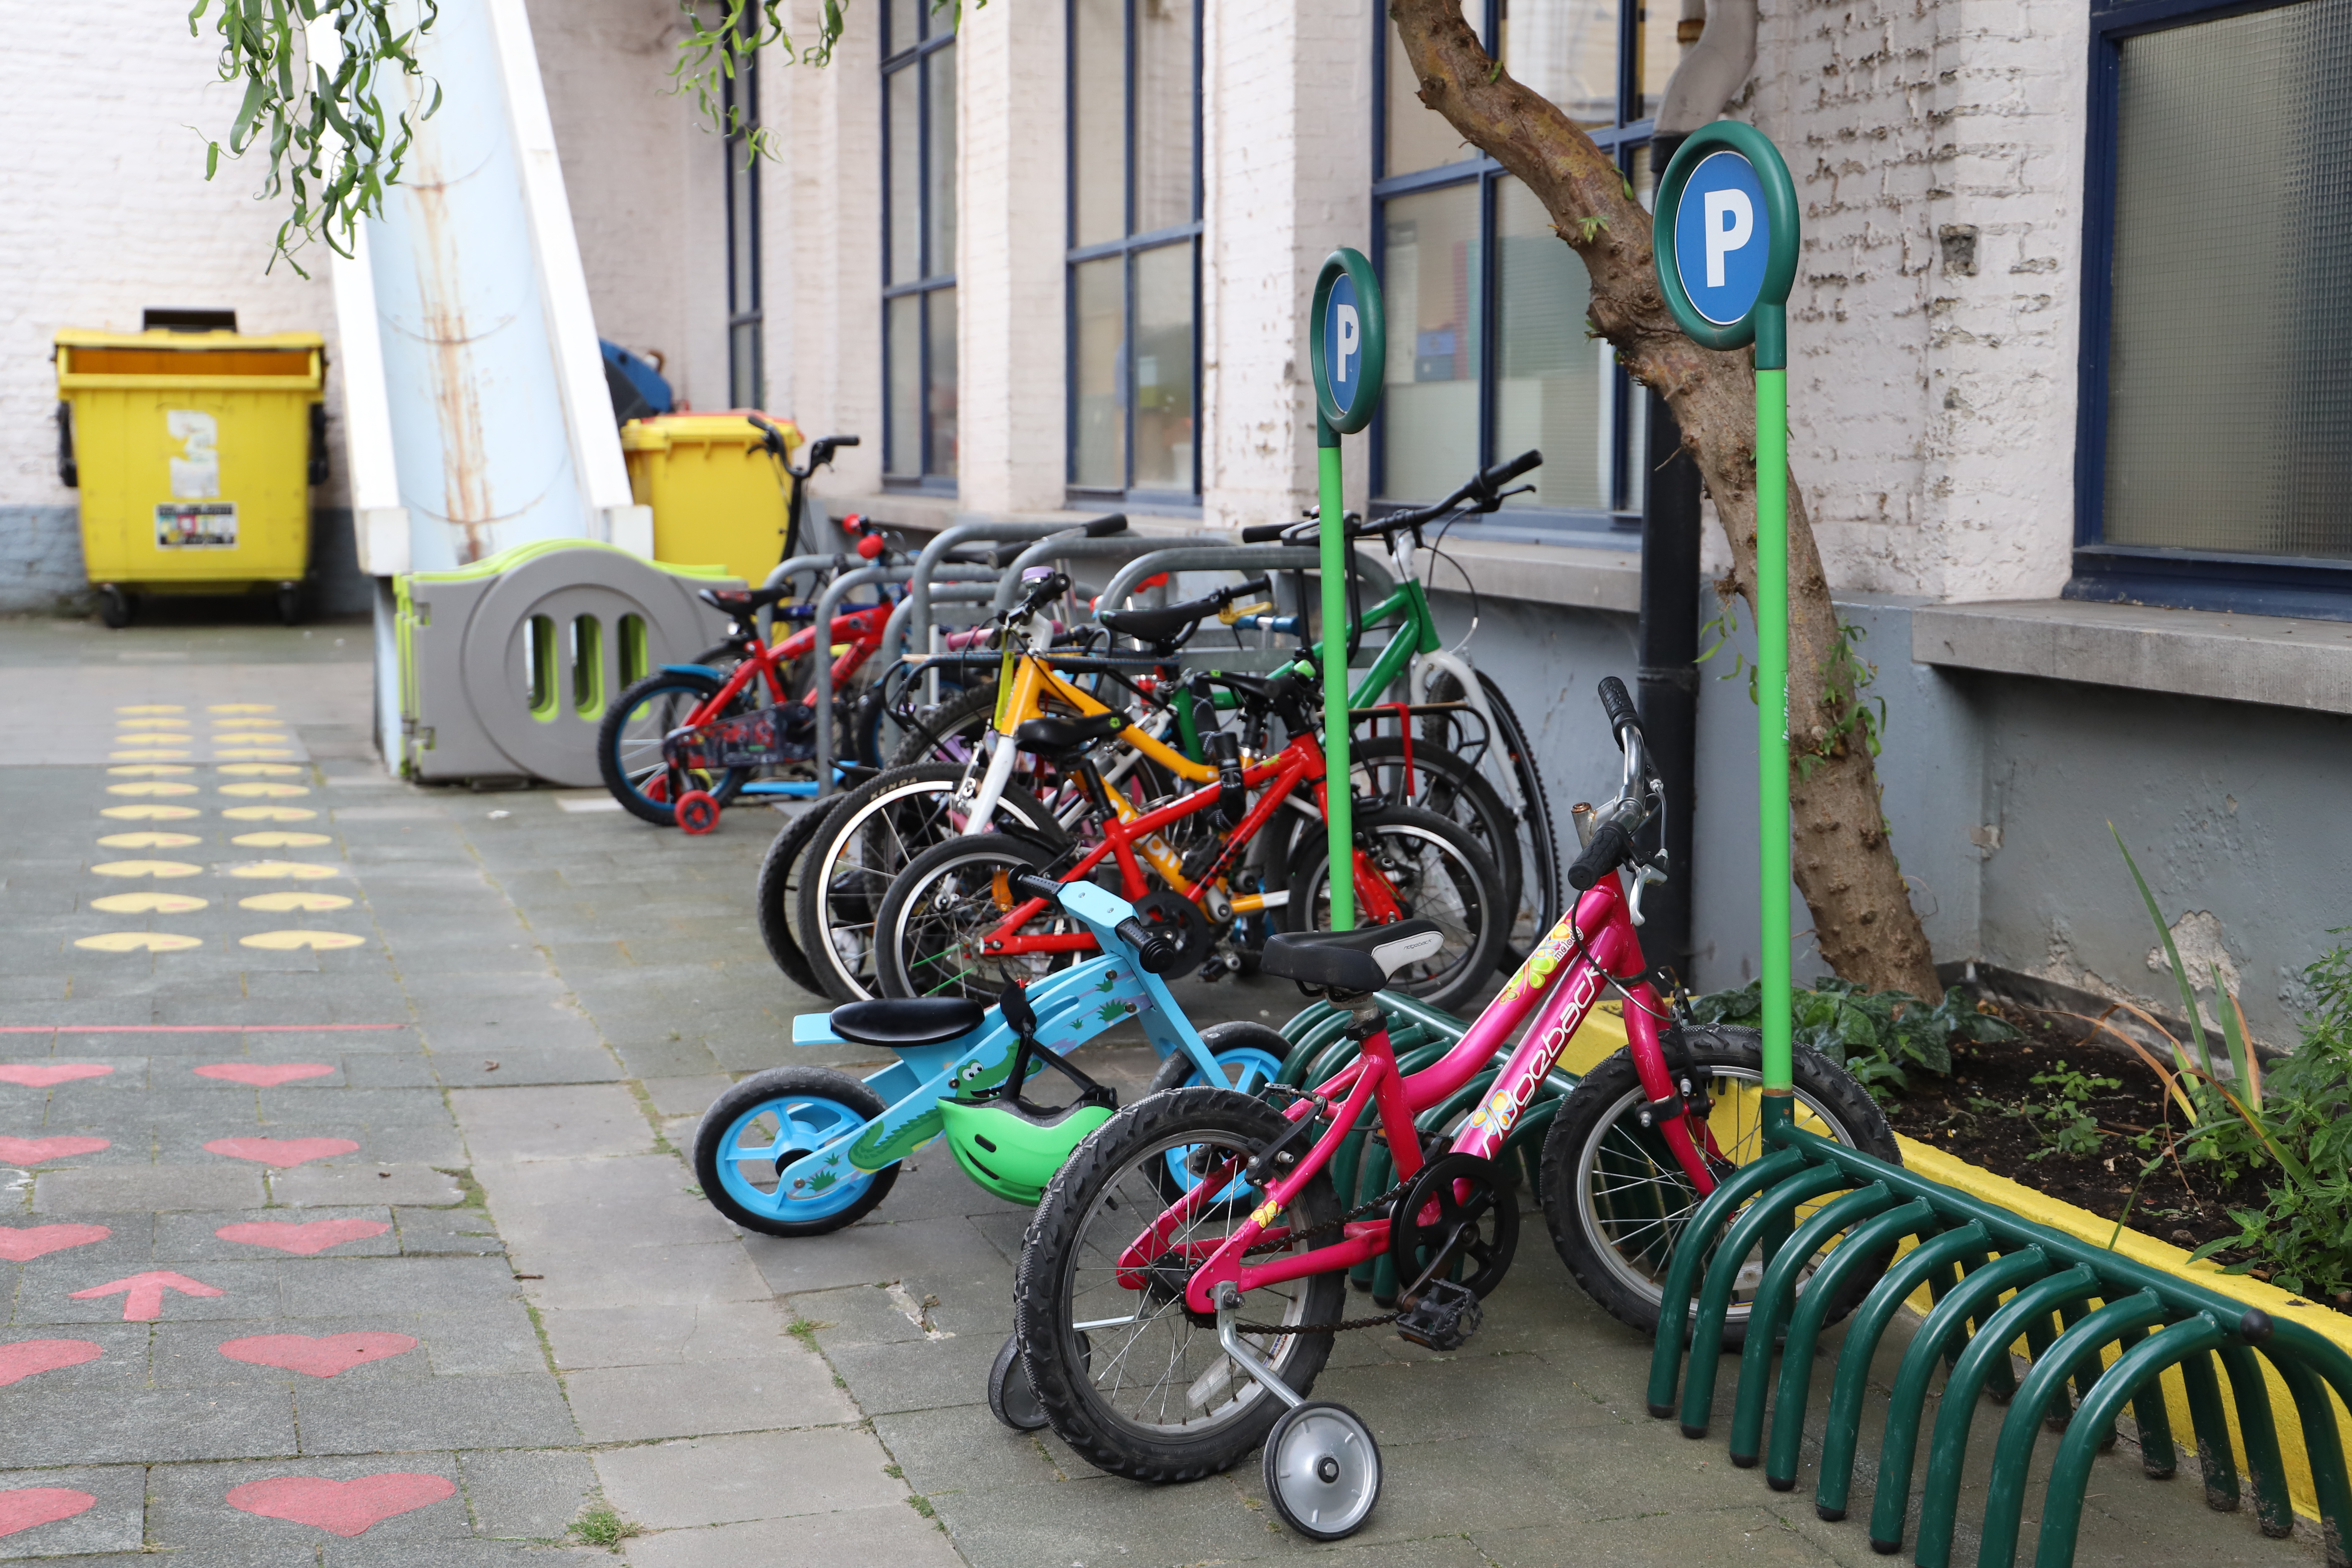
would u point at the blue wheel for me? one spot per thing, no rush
(629, 746)
(770, 1120)
(1251, 1055)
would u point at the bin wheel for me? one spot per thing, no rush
(698, 811)
(113, 605)
(290, 604)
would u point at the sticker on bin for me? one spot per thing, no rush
(196, 525)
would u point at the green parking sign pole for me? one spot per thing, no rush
(1346, 338)
(1726, 238)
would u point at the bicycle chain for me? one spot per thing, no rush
(1345, 1325)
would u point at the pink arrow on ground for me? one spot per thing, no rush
(142, 1298)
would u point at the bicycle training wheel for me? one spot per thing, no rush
(629, 746)
(1437, 872)
(1127, 1376)
(1616, 1198)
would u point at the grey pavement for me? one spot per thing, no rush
(457, 1298)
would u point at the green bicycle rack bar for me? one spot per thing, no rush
(2068, 1299)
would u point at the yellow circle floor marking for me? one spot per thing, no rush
(275, 840)
(268, 813)
(260, 770)
(248, 723)
(267, 791)
(140, 941)
(151, 787)
(246, 738)
(152, 708)
(253, 752)
(243, 708)
(148, 904)
(147, 868)
(288, 940)
(282, 870)
(150, 770)
(150, 723)
(146, 754)
(153, 813)
(287, 902)
(149, 840)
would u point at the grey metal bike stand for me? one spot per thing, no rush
(466, 698)
(827, 604)
(894, 632)
(1080, 549)
(1379, 583)
(935, 552)
(785, 571)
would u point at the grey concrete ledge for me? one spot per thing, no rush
(2195, 653)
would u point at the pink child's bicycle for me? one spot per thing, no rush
(1183, 1278)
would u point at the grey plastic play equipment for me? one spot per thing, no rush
(506, 666)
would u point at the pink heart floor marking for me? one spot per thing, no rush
(28, 1506)
(304, 1239)
(45, 1075)
(323, 1356)
(30, 1358)
(281, 1152)
(24, 1152)
(263, 1075)
(339, 1508)
(22, 1243)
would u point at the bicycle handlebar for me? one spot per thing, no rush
(1610, 843)
(1156, 951)
(1613, 841)
(1619, 705)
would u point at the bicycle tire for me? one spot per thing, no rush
(1543, 899)
(1463, 890)
(1062, 1359)
(1451, 786)
(844, 1100)
(623, 773)
(1596, 1137)
(905, 964)
(775, 897)
(961, 718)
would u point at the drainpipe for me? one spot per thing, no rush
(1669, 672)
(1718, 40)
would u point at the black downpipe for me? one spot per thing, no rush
(1669, 675)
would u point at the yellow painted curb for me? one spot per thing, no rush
(269, 814)
(150, 812)
(286, 903)
(148, 904)
(243, 708)
(150, 723)
(1953, 1172)
(140, 941)
(289, 940)
(148, 754)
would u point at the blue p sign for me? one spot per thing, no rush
(1346, 337)
(1343, 339)
(1722, 237)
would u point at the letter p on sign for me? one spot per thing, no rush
(1351, 332)
(1730, 225)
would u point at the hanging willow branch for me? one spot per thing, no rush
(709, 54)
(332, 146)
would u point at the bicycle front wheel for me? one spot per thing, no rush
(1127, 1376)
(931, 937)
(629, 747)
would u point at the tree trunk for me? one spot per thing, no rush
(1843, 859)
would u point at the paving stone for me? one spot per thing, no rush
(724, 1480)
(116, 1189)
(488, 1338)
(121, 1360)
(329, 1186)
(920, 1375)
(248, 1290)
(661, 1057)
(618, 1404)
(115, 1521)
(188, 1507)
(1667, 1539)
(187, 1237)
(520, 1494)
(898, 1537)
(730, 1332)
(337, 1287)
(73, 1426)
(505, 1063)
(687, 1096)
(634, 1201)
(510, 1125)
(638, 1276)
(438, 1412)
(875, 1251)
(967, 1450)
(456, 1231)
(1103, 1520)
(188, 1355)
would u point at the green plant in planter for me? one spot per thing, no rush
(1879, 1036)
(2064, 1121)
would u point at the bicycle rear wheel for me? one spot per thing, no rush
(776, 897)
(629, 746)
(929, 938)
(1506, 761)
(1436, 871)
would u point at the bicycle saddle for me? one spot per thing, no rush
(1357, 963)
(895, 1021)
(743, 601)
(1058, 735)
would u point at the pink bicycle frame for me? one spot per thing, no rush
(1558, 986)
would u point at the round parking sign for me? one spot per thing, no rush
(1726, 235)
(1347, 341)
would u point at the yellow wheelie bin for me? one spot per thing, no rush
(714, 495)
(195, 453)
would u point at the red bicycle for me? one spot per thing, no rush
(1179, 1288)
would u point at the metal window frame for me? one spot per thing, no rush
(1620, 141)
(1129, 248)
(744, 231)
(918, 57)
(2115, 574)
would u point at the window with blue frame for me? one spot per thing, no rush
(2215, 451)
(1487, 351)
(918, 245)
(1134, 247)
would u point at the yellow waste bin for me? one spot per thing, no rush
(714, 495)
(195, 453)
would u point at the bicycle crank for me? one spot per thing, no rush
(1458, 1221)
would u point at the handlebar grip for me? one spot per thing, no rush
(1502, 474)
(1619, 706)
(845, 440)
(1103, 527)
(1609, 846)
(1155, 950)
(1264, 532)
(1030, 885)
(756, 421)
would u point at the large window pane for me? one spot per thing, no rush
(1098, 107)
(1163, 114)
(1098, 456)
(903, 360)
(906, 24)
(1418, 136)
(2230, 359)
(905, 195)
(1656, 54)
(1553, 388)
(1566, 50)
(938, 74)
(1163, 368)
(742, 227)
(940, 395)
(1430, 272)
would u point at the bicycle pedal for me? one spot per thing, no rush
(1443, 1319)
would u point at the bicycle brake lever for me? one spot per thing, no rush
(1649, 873)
